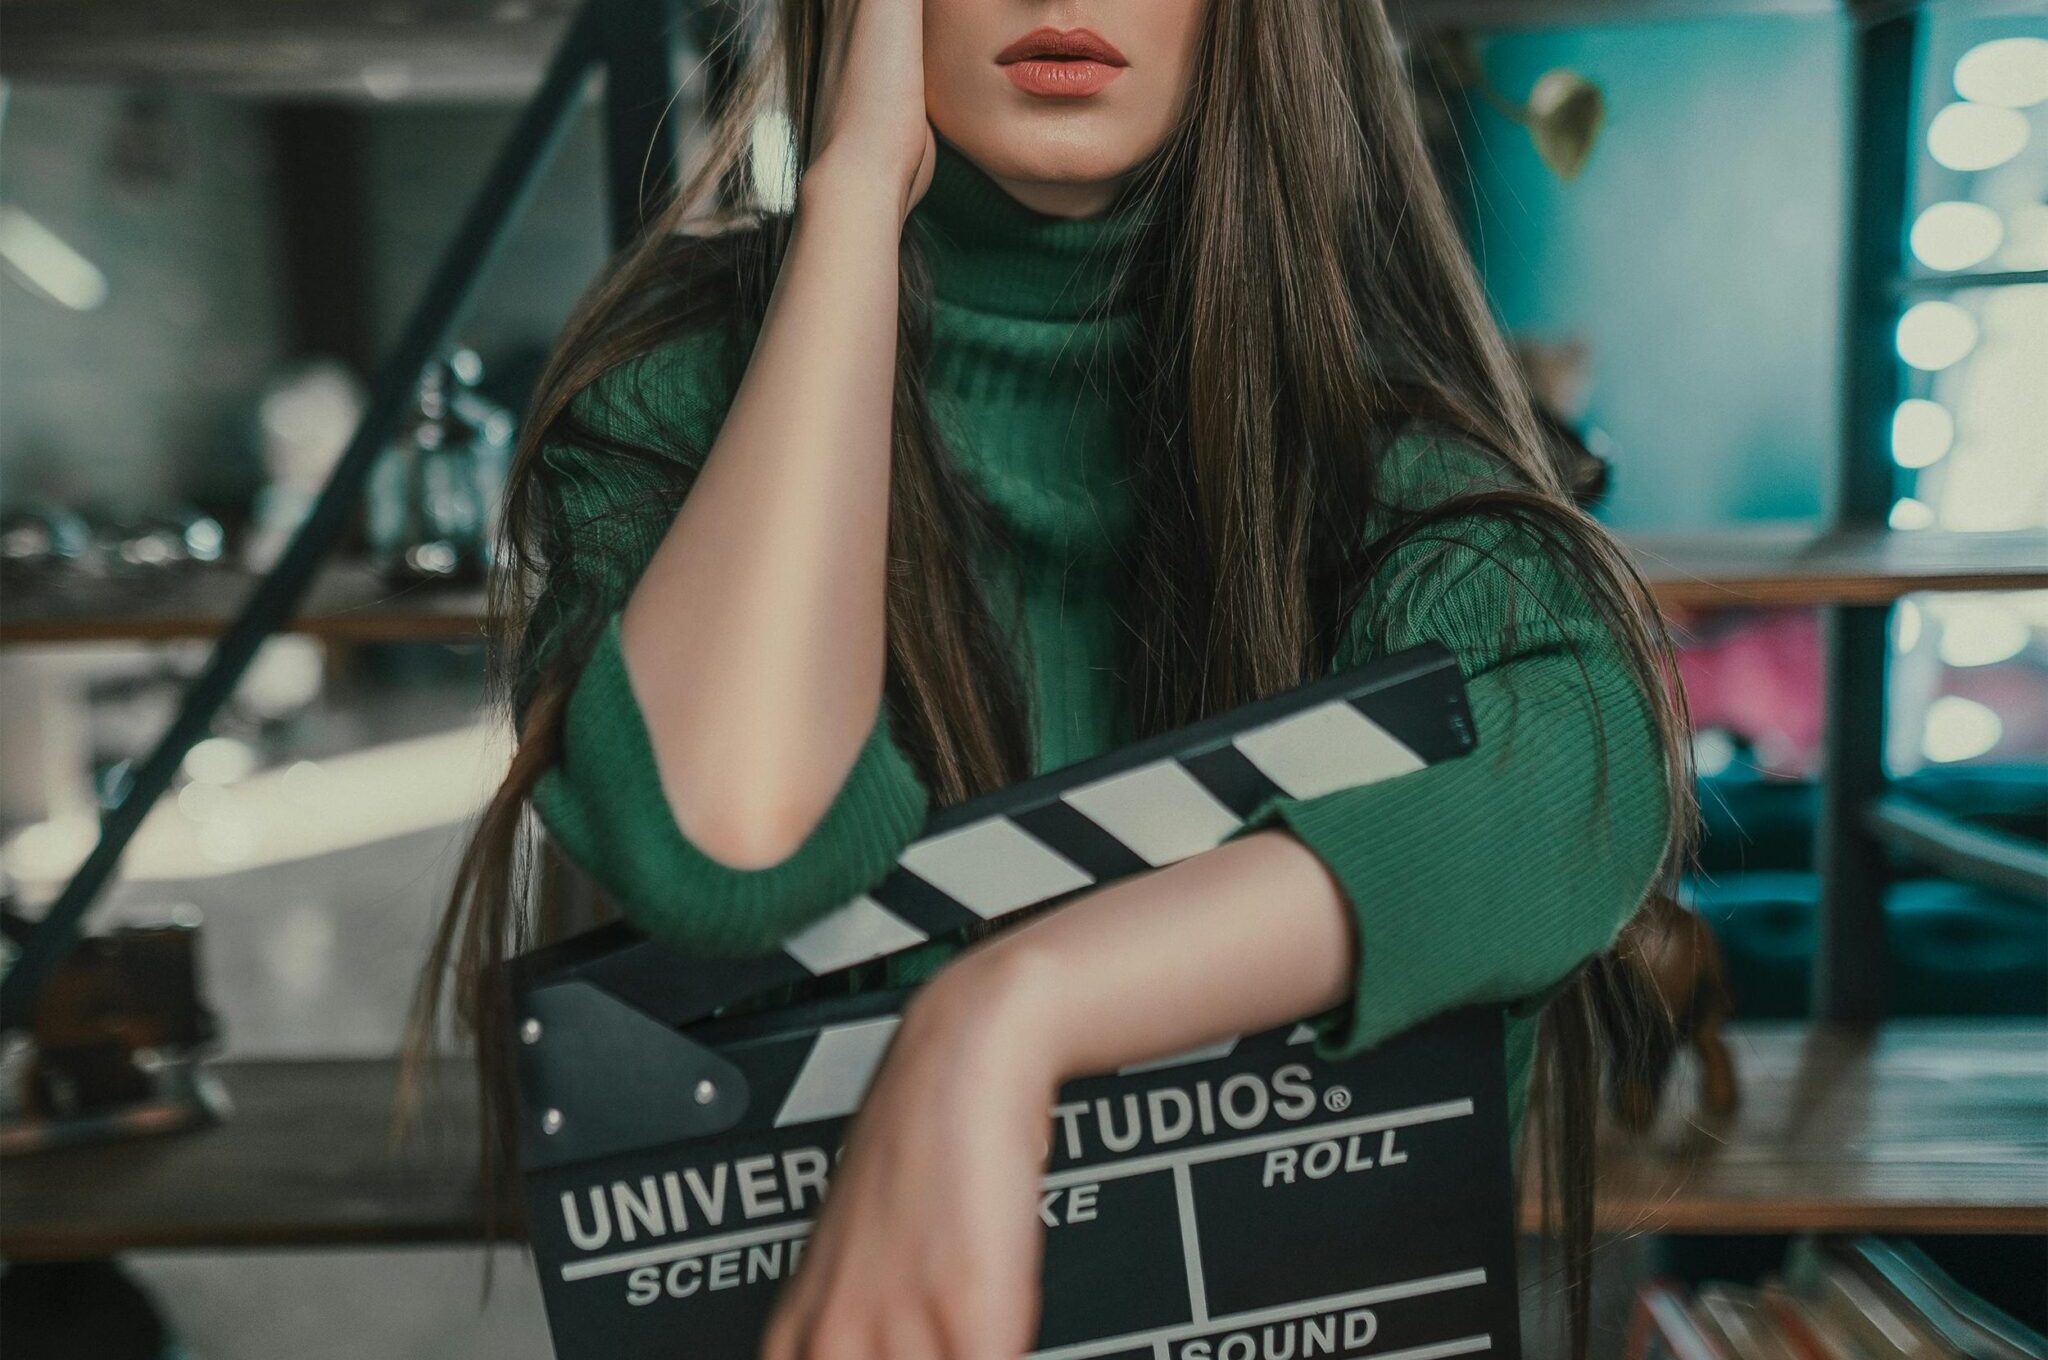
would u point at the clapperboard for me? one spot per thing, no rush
(1245, 1202)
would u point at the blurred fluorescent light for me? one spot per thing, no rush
(1976, 136)
(1980, 632)
(46, 262)
(1910, 514)
(1996, 476)
(773, 159)
(49, 852)
(1956, 235)
(1959, 729)
(1934, 335)
(1713, 751)
(2012, 72)
(285, 676)
(220, 760)
(385, 81)
(1906, 626)
(1922, 431)
(278, 816)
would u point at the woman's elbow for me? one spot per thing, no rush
(749, 832)
(751, 804)
(754, 814)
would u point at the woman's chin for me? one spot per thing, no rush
(1068, 165)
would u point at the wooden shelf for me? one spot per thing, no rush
(303, 1161)
(348, 603)
(1797, 565)
(1920, 1127)
(1770, 565)
(1917, 1126)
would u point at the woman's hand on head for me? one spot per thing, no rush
(929, 1241)
(872, 125)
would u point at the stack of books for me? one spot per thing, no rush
(1837, 1300)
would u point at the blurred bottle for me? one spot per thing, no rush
(433, 499)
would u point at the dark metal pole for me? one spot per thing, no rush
(719, 36)
(643, 133)
(718, 30)
(1851, 954)
(276, 597)
(320, 161)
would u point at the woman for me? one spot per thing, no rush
(1116, 364)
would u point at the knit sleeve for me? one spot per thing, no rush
(602, 800)
(1488, 879)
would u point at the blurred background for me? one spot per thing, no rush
(1777, 264)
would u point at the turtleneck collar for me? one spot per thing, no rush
(991, 253)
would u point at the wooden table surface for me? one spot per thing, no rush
(1798, 565)
(1926, 1126)
(1774, 565)
(349, 602)
(303, 1161)
(1918, 1126)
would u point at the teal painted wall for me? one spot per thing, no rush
(1696, 255)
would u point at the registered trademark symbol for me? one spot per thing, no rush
(1337, 1099)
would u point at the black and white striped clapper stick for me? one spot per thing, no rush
(1141, 807)
(1251, 1195)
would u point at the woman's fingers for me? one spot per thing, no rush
(909, 1333)
(927, 1246)
(792, 1323)
(871, 90)
(878, 1322)
(779, 1341)
(972, 1324)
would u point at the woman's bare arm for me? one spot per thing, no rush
(929, 1246)
(1245, 937)
(754, 641)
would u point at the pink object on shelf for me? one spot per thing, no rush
(1758, 676)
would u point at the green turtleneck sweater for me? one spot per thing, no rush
(1485, 879)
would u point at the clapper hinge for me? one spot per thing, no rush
(599, 1077)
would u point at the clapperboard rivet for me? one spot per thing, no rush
(529, 1033)
(706, 1092)
(551, 1122)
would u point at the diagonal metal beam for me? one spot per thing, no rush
(643, 141)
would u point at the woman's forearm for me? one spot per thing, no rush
(1241, 938)
(755, 639)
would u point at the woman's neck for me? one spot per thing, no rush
(1070, 199)
(993, 253)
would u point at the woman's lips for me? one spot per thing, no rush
(1057, 64)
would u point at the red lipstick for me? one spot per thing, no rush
(1061, 65)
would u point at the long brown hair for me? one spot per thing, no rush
(1305, 296)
